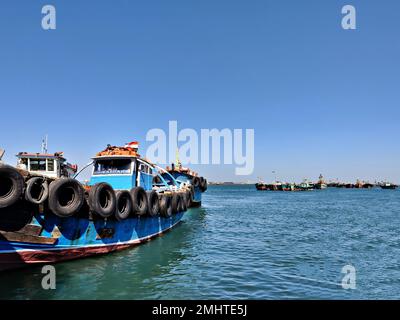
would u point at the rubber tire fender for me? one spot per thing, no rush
(102, 199)
(11, 186)
(191, 198)
(153, 203)
(139, 201)
(196, 182)
(56, 203)
(165, 206)
(183, 202)
(205, 185)
(123, 206)
(44, 192)
(175, 202)
(188, 199)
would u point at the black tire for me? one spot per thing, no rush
(102, 200)
(11, 186)
(191, 198)
(180, 202)
(196, 182)
(183, 202)
(139, 201)
(175, 202)
(123, 206)
(37, 190)
(203, 184)
(153, 203)
(188, 198)
(66, 197)
(165, 206)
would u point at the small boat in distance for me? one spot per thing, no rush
(368, 185)
(388, 186)
(321, 184)
(306, 185)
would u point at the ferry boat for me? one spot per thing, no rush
(47, 215)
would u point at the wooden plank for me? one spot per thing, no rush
(19, 237)
(31, 230)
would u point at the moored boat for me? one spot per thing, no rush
(321, 184)
(368, 185)
(305, 186)
(47, 215)
(388, 186)
(189, 178)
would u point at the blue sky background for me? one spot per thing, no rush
(321, 99)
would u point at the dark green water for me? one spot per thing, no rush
(245, 244)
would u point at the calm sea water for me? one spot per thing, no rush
(245, 244)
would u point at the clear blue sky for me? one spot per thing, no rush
(321, 99)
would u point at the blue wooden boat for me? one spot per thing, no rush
(185, 176)
(128, 200)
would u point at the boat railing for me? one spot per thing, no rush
(174, 187)
(79, 172)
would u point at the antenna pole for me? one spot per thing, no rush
(44, 144)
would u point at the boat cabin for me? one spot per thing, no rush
(49, 165)
(122, 168)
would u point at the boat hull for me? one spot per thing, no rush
(76, 238)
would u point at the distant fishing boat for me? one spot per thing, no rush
(388, 186)
(305, 185)
(321, 184)
(275, 186)
(260, 186)
(367, 185)
(333, 184)
(359, 184)
(47, 216)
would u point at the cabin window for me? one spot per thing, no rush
(38, 164)
(50, 164)
(144, 168)
(112, 166)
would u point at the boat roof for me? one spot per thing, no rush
(120, 156)
(114, 156)
(40, 155)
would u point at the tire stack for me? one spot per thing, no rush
(66, 197)
(200, 182)
(15, 211)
